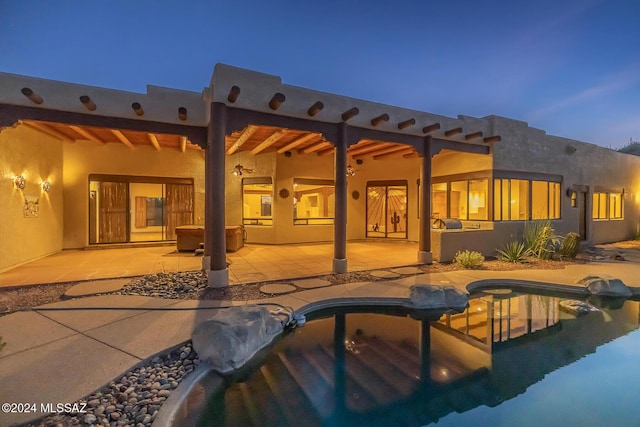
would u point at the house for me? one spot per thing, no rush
(85, 166)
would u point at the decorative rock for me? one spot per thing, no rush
(606, 286)
(577, 307)
(438, 297)
(233, 335)
(164, 393)
(90, 419)
(384, 274)
(312, 283)
(277, 288)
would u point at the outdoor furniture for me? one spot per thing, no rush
(189, 237)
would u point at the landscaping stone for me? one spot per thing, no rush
(311, 283)
(437, 297)
(234, 335)
(277, 288)
(605, 285)
(577, 307)
(384, 274)
(407, 270)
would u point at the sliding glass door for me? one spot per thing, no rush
(387, 209)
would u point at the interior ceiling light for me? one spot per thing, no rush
(238, 170)
(20, 182)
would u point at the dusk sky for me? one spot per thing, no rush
(571, 68)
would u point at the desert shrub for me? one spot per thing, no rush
(570, 245)
(514, 252)
(469, 259)
(540, 239)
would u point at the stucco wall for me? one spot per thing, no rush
(83, 158)
(37, 157)
(581, 164)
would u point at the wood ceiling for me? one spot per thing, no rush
(100, 136)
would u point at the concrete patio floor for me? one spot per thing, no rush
(252, 263)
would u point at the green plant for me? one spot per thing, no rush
(540, 239)
(469, 259)
(514, 252)
(570, 245)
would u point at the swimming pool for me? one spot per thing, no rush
(511, 358)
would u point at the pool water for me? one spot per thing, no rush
(510, 359)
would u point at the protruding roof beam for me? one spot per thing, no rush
(298, 141)
(45, 128)
(412, 155)
(137, 108)
(368, 148)
(470, 136)
(244, 137)
(182, 113)
(88, 103)
(122, 138)
(350, 113)
(326, 151)
(452, 132)
(315, 147)
(431, 128)
(276, 101)
(183, 144)
(29, 93)
(381, 118)
(154, 141)
(86, 134)
(494, 138)
(269, 141)
(404, 151)
(393, 148)
(315, 108)
(405, 124)
(233, 94)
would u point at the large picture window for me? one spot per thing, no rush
(607, 205)
(512, 201)
(313, 201)
(545, 200)
(465, 200)
(257, 197)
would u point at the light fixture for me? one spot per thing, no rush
(46, 186)
(20, 182)
(239, 169)
(351, 171)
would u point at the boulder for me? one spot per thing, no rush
(437, 297)
(232, 336)
(605, 286)
(577, 307)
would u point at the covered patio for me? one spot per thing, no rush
(252, 263)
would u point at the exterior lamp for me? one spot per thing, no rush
(20, 182)
(46, 186)
(239, 169)
(351, 171)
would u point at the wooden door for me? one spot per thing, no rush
(179, 207)
(113, 212)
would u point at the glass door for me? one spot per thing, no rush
(387, 209)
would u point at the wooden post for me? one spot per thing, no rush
(424, 250)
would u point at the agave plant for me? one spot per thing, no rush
(514, 252)
(540, 239)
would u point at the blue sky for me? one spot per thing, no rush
(571, 68)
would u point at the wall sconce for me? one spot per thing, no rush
(20, 182)
(46, 186)
(573, 195)
(351, 171)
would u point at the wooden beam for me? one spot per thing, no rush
(269, 141)
(34, 97)
(494, 138)
(431, 128)
(87, 102)
(315, 108)
(391, 149)
(315, 147)
(405, 151)
(233, 94)
(122, 138)
(154, 141)
(369, 148)
(352, 112)
(45, 128)
(381, 118)
(411, 155)
(471, 136)
(453, 131)
(183, 144)
(88, 135)
(406, 123)
(326, 151)
(244, 137)
(276, 101)
(137, 108)
(298, 141)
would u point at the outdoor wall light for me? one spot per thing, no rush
(351, 171)
(46, 186)
(238, 170)
(20, 182)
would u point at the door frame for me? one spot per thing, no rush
(387, 183)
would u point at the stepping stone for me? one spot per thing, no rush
(95, 287)
(407, 270)
(277, 288)
(384, 274)
(311, 283)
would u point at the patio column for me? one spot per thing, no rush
(215, 257)
(424, 249)
(340, 215)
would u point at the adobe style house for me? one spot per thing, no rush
(85, 166)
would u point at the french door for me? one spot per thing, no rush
(387, 209)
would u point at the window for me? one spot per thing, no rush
(313, 201)
(465, 200)
(257, 196)
(154, 211)
(511, 200)
(478, 194)
(611, 211)
(459, 199)
(439, 200)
